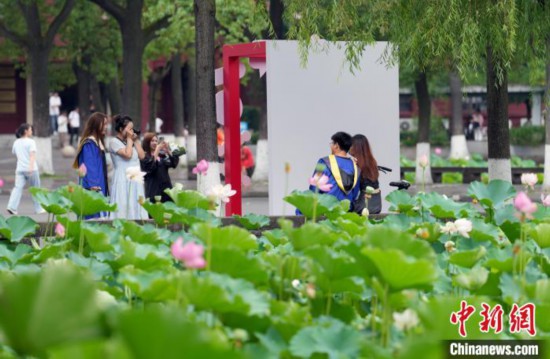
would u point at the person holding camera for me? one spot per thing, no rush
(126, 152)
(158, 159)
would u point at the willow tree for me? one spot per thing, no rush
(32, 26)
(535, 47)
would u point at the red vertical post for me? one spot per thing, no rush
(232, 125)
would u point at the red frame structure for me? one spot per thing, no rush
(232, 55)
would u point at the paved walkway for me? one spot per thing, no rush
(255, 198)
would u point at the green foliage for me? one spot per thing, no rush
(17, 227)
(527, 135)
(334, 288)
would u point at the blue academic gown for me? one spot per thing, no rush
(346, 165)
(96, 176)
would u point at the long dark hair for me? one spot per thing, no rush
(94, 128)
(121, 121)
(21, 130)
(146, 143)
(360, 149)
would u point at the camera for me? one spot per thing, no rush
(161, 139)
(137, 132)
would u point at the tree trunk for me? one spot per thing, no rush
(113, 94)
(423, 175)
(83, 79)
(459, 148)
(205, 12)
(38, 58)
(205, 25)
(546, 184)
(276, 9)
(133, 45)
(177, 95)
(97, 100)
(498, 133)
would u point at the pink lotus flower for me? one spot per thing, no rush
(190, 253)
(423, 161)
(438, 151)
(201, 168)
(59, 230)
(1, 183)
(523, 204)
(545, 200)
(82, 170)
(320, 182)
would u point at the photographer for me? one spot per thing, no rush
(126, 152)
(158, 159)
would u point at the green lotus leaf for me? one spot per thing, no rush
(400, 271)
(311, 234)
(467, 259)
(472, 280)
(100, 238)
(390, 238)
(48, 308)
(16, 228)
(52, 250)
(166, 333)
(492, 195)
(442, 207)
(151, 286)
(500, 260)
(541, 235)
(333, 339)
(146, 234)
(289, 317)
(482, 231)
(98, 270)
(324, 204)
(237, 264)
(190, 199)
(142, 256)
(22, 253)
(51, 201)
(252, 221)
(225, 237)
(401, 201)
(223, 294)
(85, 202)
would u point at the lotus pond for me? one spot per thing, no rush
(339, 286)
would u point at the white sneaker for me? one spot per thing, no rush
(11, 211)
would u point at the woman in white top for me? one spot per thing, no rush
(24, 148)
(126, 152)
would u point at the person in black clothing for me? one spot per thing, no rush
(361, 151)
(158, 159)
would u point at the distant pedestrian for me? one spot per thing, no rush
(91, 154)
(24, 148)
(126, 152)
(55, 106)
(74, 123)
(63, 128)
(247, 160)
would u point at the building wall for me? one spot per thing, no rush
(13, 110)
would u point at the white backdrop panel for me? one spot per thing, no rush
(307, 105)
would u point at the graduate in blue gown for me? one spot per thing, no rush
(341, 170)
(91, 153)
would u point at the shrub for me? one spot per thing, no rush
(527, 136)
(438, 135)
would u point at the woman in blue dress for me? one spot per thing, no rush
(126, 152)
(91, 153)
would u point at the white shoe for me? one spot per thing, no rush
(12, 212)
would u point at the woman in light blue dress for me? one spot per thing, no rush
(126, 152)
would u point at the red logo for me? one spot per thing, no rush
(462, 316)
(523, 318)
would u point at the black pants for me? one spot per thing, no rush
(74, 135)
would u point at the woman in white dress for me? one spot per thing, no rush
(126, 151)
